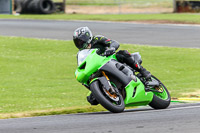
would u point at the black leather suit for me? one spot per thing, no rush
(123, 56)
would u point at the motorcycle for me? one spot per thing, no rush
(116, 85)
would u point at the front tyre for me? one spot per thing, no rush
(161, 100)
(105, 100)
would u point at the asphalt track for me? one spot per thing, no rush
(181, 118)
(176, 119)
(150, 34)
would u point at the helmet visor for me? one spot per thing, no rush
(80, 44)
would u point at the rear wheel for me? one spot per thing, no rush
(112, 102)
(161, 97)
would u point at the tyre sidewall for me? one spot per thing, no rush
(158, 103)
(96, 91)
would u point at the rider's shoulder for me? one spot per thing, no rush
(98, 37)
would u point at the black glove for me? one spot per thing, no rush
(109, 52)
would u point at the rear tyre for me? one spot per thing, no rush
(160, 100)
(38, 6)
(105, 101)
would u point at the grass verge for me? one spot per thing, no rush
(68, 110)
(167, 18)
(38, 74)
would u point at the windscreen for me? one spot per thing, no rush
(82, 55)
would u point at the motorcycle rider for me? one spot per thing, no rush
(83, 39)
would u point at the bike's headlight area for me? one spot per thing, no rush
(81, 58)
(82, 55)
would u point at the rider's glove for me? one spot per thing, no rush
(109, 52)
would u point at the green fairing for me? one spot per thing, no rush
(82, 75)
(140, 98)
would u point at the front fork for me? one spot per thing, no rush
(109, 86)
(106, 85)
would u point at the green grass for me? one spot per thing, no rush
(38, 74)
(177, 18)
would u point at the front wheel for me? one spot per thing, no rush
(161, 98)
(113, 103)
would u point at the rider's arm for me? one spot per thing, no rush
(112, 44)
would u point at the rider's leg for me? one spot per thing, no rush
(91, 99)
(125, 57)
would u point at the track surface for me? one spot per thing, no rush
(182, 118)
(176, 119)
(151, 34)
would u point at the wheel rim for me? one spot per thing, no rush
(162, 94)
(114, 98)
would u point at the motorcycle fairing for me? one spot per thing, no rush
(118, 71)
(137, 96)
(123, 74)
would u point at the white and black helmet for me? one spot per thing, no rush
(82, 37)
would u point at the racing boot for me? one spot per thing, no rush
(138, 67)
(92, 100)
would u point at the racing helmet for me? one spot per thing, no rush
(82, 37)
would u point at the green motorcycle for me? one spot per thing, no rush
(116, 85)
